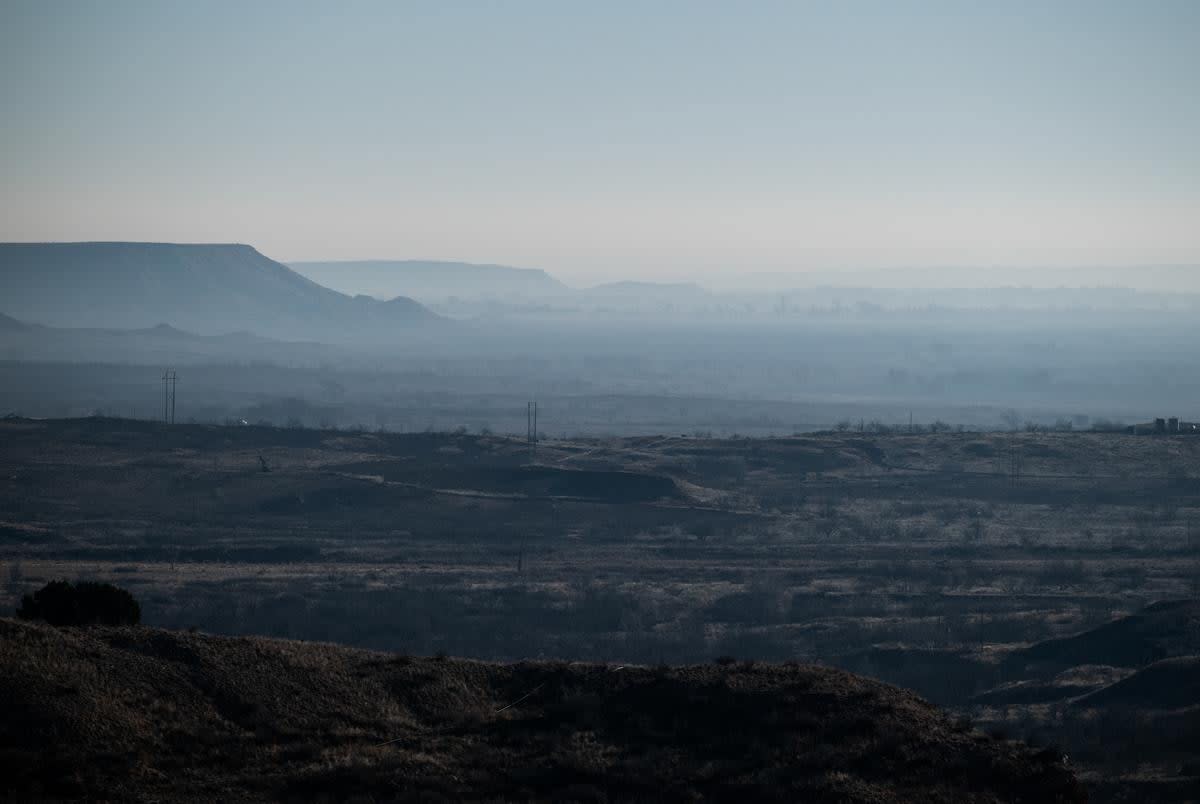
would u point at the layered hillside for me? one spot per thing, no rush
(159, 345)
(1166, 629)
(207, 289)
(144, 714)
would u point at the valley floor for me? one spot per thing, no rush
(953, 564)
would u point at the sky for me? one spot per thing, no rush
(614, 140)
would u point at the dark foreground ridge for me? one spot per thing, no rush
(145, 714)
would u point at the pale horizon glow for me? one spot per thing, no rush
(667, 141)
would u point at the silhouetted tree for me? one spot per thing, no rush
(86, 603)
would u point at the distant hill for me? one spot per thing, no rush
(1169, 684)
(646, 298)
(160, 344)
(432, 281)
(1163, 630)
(130, 714)
(1181, 278)
(206, 289)
(666, 291)
(1072, 683)
(9, 324)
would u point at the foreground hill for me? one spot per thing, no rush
(145, 714)
(208, 289)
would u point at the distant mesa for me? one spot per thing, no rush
(432, 280)
(440, 283)
(10, 324)
(205, 289)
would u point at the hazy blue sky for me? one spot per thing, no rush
(608, 139)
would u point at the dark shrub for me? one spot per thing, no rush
(84, 603)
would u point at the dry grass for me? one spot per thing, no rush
(144, 714)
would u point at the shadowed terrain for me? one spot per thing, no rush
(145, 714)
(1047, 604)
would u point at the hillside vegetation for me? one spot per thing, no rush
(144, 714)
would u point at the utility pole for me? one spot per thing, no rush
(168, 381)
(531, 411)
(531, 435)
(1014, 460)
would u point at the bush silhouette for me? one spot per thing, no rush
(84, 603)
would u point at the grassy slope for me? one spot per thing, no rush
(145, 714)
